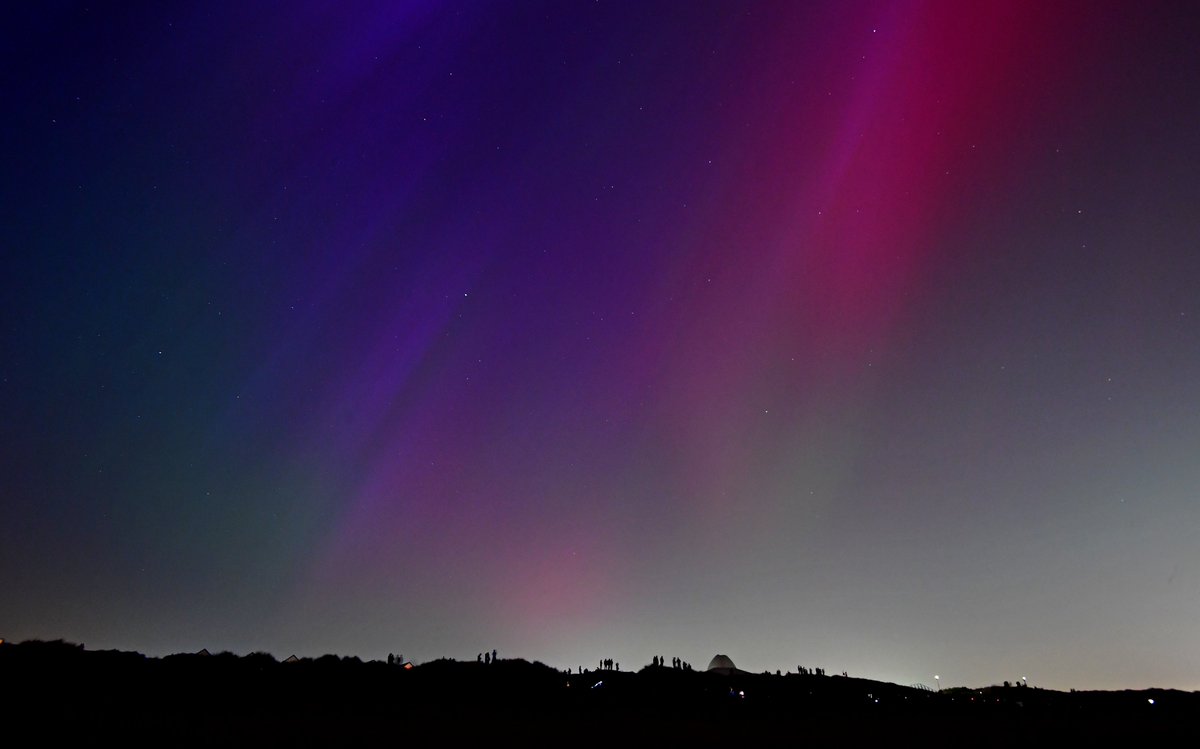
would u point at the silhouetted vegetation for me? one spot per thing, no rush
(61, 691)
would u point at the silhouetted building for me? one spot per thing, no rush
(722, 664)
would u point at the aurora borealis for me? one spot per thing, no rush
(860, 335)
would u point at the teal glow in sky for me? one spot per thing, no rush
(859, 335)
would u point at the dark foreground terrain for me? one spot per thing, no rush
(56, 691)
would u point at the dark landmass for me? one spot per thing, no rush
(58, 691)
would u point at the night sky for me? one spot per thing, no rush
(855, 335)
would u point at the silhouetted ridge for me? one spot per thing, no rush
(191, 698)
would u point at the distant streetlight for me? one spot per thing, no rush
(938, 679)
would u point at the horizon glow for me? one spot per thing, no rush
(852, 335)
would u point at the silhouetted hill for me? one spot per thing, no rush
(61, 691)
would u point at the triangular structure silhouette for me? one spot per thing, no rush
(722, 664)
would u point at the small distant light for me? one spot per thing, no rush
(1151, 700)
(742, 694)
(408, 666)
(876, 702)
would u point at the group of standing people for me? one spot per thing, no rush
(486, 657)
(608, 664)
(675, 663)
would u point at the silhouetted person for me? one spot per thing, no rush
(487, 658)
(479, 657)
(493, 655)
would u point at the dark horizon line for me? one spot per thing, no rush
(63, 644)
